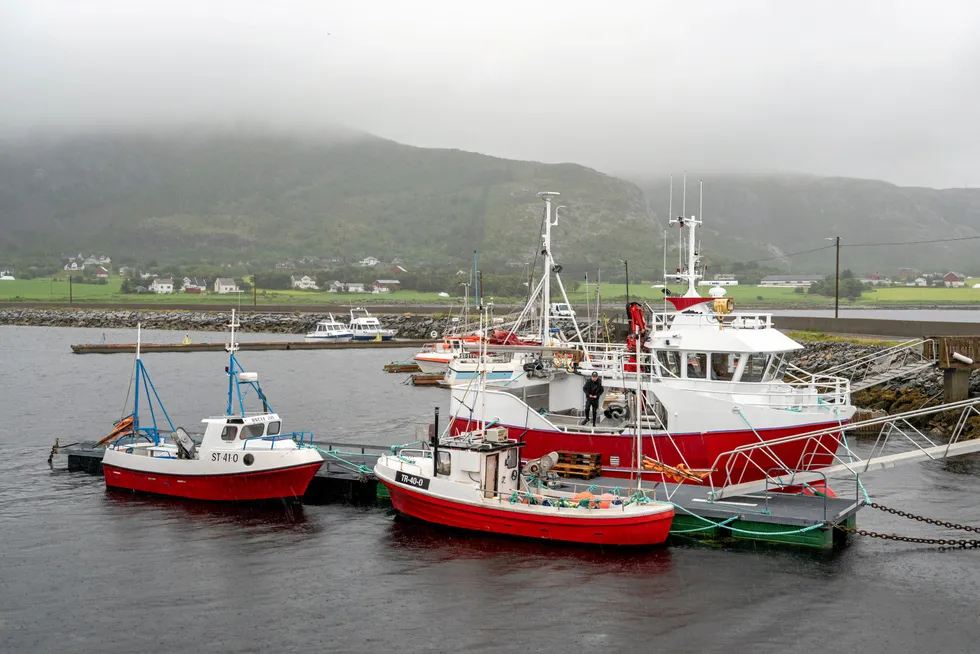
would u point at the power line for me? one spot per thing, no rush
(790, 254)
(936, 240)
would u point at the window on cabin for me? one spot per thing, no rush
(444, 463)
(755, 367)
(512, 460)
(669, 363)
(776, 369)
(229, 433)
(723, 365)
(274, 428)
(253, 431)
(697, 364)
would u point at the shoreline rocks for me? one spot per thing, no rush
(408, 326)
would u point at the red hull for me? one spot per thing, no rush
(633, 530)
(251, 486)
(700, 451)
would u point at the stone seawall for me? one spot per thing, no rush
(408, 326)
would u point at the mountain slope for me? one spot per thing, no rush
(214, 196)
(750, 217)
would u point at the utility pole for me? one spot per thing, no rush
(837, 284)
(627, 264)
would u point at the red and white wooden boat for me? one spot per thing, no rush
(475, 481)
(241, 457)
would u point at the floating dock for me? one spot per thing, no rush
(219, 346)
(769, 517)
(402, 366)
(429, 379)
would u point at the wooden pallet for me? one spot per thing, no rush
(427, 379)
(578, 470)
(566, 456)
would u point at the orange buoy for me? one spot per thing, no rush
(605, 500)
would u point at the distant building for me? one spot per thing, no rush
(305, 282)
(386, 285)
(791, 280)
(225, 285)
(5, 276)
(336, 287)
(368, 262)
(954, 279)
(193, 284)
(909, 273)
(161, 285)
(74, 265)
(920, 281)
(285, 265)
(875, 280)
(125, 271)
(101, 272)
(356, 288)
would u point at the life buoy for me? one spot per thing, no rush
(434, 334)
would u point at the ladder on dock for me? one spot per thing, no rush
(896, 362)
(898, 442)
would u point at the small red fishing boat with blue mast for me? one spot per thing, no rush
(242, 456)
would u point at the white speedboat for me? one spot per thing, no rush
(365, 327)
(331, 330)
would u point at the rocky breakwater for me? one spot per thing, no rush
(924, 389)
(408, 326)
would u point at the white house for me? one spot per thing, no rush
(193, 283)
(161, 285)
(356, 288)
(791, 280)
(225, 285)
(305, 282)
(125, 271)
(336, 287)
(73, 265)
(5, 276)
(921, 281)
(367, 262)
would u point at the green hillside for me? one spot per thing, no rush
(263, 197)
(749, 217)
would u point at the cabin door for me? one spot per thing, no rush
(490, 476)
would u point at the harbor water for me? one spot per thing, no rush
(83, 570)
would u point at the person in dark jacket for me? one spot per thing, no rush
(593, 391)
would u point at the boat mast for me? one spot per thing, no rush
(232, 375)
(137, 373)
(548, 264)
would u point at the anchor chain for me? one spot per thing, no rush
(921, 518)
(951, 543)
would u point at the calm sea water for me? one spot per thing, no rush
(82, 570)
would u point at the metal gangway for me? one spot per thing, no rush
(898, 442)
(896, 362)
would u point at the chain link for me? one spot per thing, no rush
(920, 518)
(943, 542)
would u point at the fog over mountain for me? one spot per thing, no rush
(882, 90)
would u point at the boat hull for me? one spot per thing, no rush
(329, 339)
(277, 483)
(371, 337)
(647, 529)
(431, 366)
(698, 451)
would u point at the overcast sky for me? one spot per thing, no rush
(886, 90)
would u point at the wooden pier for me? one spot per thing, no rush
(402, 366)
(219, 346)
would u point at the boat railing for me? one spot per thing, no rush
(663, 321)
(828, 448)
(298, 437)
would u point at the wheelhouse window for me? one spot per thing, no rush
(696, 364)
(755, 366)
(253, 431)
(776, 369)
(669, 363)
(443, 463)
(274, 428)
(724, 365)
(229, 432)
(511, 461)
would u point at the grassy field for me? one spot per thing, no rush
(48, 290)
